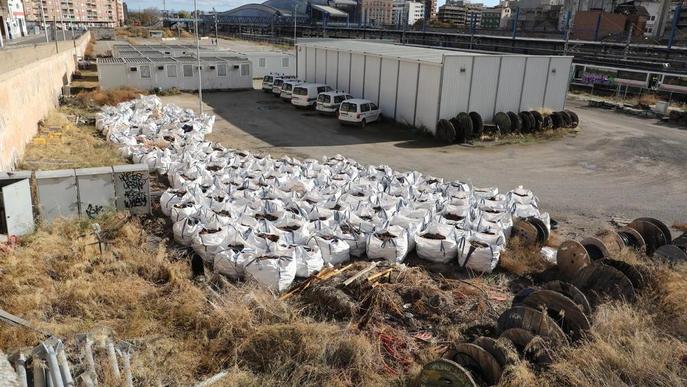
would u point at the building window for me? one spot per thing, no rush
(172, 71)
(145, 71)
(221, 70)
(245, 70)
(188, 70)
(285, 62)
(261, 62)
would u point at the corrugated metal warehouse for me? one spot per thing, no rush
(146, 73)
(418, 86)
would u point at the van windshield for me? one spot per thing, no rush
(348, 107)
(323, 98)
(278, 82)
(286, 87)
(267, 78)
(300, 91)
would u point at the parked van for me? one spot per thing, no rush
(278, 82)
(329, 102)
(359, 111)
(287, 89)
(267, 83)
(305, 95)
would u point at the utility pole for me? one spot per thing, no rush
(200, 80)
(64, 33)
(567, 32)
(54, 32)
(216, 34)
(45, 28)
(295, 22)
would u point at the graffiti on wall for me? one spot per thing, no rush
(135, 192)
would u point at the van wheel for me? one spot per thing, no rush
(363, 123)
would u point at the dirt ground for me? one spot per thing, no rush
(616, 166)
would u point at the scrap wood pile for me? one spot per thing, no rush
(251, 215)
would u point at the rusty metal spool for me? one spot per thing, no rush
(652, 234)
(503, 351)
(445, 373)
(480, 362)
(632, 239)
(662, 226)
(595, 248)
(671, 253)
(572, 292)
(561, 309)
(520, 337)
(598, 281)
(542, 231)
(613, 242)
(571, 257)
(534, 321)
(526, 232)
(681, 242)
(538, 352)
(632, 272)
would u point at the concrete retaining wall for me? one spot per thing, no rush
(29, 92)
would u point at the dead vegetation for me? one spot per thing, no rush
(96, 98)
(521, 259)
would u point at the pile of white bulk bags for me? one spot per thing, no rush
(277, 218)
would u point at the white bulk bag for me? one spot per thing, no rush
(185, 230)
(411, 224)
(169, 198)
(182, 210)
(334, 250)
(521, 195)
(293, 230)
(272, 271)
(308, 258)
(390, 243)
(355, 234)
(231, 263)
(437, 243)
(209, 241)
(476, 255)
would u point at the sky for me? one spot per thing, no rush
(220, 5)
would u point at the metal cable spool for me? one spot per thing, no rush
(520, 337)
(595, 248)
(445, 373)
(548, 123)
(662, 226)
(556, 120)
(598, 281)
(530, 118)
(611, 240)
(572, 292)
(571, 257)
(477, 123)
(631, 238)
(573, 116)
(652, 234)
(480, 362)
(542, 231)
(538, 352)
(516, 123)
(561, 309)
(538, 120)
(466, 126)
(526, 232)
(681, 242)
(527, 125)
(671, 253)
(567, 120)
(460, 137)
(503, 351)
(534, 321)
(445, 131)
(631, 272)
(502, 122)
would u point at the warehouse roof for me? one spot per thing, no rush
(387, 49)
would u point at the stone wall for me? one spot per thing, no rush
(28, 92)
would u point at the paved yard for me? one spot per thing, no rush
(616, 166)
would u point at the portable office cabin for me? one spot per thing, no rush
(418, 86)
(270, 62)
(226, 73)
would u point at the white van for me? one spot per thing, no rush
(287, 89)
(305, 95)
(267, 83)
(359, 111)
(330, 101)
(278, 82)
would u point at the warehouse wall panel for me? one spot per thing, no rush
(557, 84)
(357, 75)
(510, 83)
(455, 91)
(310, 64)
(332, 63)
(535, 83)
(321, 65)
(407, 82)
(388, 85)
(371, 89)
(428, 97)
(300, 58)
(344, 71)
(484, 82)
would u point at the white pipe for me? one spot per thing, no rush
(38, 372)
(64, 366)
(112, 355)
(200, 80)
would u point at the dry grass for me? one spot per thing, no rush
(62, 144)
(97, 98)
(182, 331)
(680, 226)
(522, 260)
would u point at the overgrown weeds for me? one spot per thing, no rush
(98, 97)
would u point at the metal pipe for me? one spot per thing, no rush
(90, 361)
(200, 78)
(38, 372)
(20, 368)
(53, 366)
(64, 366)
(126, 359)
(112, 356)
(45, 28)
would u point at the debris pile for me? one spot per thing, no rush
(251, 215)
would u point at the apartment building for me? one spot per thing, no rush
(495, 17)
(430, 9)
(104, 13)
(377, 12)
(461, 13)
(408, 12)
(12, 22)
